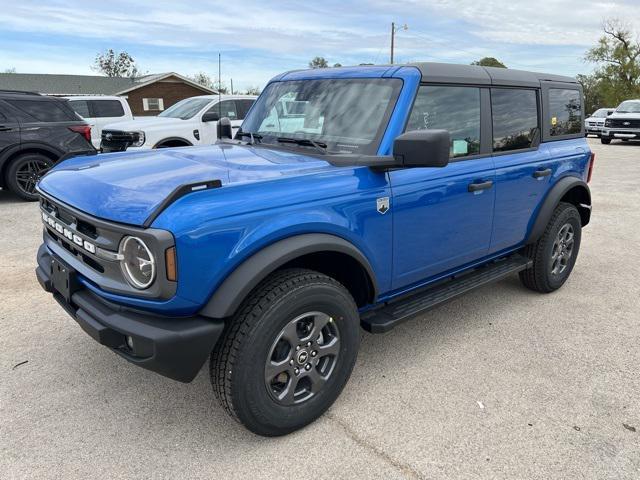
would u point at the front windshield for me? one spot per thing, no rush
(601, 113)
(346, 115)
(185, 109)
(630, 106)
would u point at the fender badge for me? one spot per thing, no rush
(382, 205)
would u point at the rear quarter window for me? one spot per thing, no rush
(81, 107)
(565, 111)
(44, 110)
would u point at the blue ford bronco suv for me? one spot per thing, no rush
(350, 197)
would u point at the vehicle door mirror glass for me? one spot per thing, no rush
(210, 117)
(422, 148)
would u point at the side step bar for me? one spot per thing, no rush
(391, 314)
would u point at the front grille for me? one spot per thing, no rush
(623, 123)
(118, 136)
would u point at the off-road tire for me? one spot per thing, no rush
(18, 166)
(539, 276)
(237, 366)
(605, 141)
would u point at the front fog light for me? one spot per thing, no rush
(138, 263)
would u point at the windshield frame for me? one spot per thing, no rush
(269, 138)
(184, 102)
(636, 103)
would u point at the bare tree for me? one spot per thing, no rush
(253, 91)
(114, 64)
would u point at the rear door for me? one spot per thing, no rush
(9, 129)
(442, 217)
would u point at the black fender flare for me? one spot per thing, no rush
(553, 198)
(235, 288)
(170, 139)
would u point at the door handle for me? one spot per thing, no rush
(475, 187)
(542, 173)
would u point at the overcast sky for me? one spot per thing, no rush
(260, 38)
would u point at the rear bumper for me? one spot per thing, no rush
(174, 347)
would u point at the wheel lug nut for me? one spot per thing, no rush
(297, 347)
(307, 366)
(308, 344)
(290, 362)
(314, 353)
(296, 371)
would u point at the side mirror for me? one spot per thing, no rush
(224, 128)
(210, 117)
(422, 148)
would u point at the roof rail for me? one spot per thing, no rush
(18, 92)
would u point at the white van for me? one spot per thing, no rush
(100, 110)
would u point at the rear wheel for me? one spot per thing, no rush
(24, 172)
(555, 253)
(287, 354)
(606, 141)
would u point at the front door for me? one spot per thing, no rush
(225, 108)
(442, 217)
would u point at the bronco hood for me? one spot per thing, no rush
(128, 187)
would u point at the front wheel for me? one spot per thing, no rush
(24, 172)
(555, 253)
(605, 141)
(288, 352)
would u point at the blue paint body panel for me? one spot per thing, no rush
(434, 227)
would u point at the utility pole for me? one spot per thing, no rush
(393, 35)
(232, 86)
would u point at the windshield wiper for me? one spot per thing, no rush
(253, 136)
(306, 142)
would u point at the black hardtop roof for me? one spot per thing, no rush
(478, 75)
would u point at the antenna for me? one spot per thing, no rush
(219, 87)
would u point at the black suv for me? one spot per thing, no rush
(36, 132)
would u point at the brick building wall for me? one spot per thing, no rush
(171, 90)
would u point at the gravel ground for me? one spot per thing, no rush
(502, 383)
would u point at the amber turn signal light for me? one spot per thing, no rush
(170, 261)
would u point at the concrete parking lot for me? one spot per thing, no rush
(503, 383)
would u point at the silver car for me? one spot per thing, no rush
(594, 123)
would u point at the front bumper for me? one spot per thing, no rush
(629, 133)
(175, 347)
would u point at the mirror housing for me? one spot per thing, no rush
(422, 148)
(210, 117)
(224, 128)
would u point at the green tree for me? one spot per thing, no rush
(617, 55)
(319, 62)
(113, 64)
(592, 89)
(202, 78)
(489, 62)
(9, 70)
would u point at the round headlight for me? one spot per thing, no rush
(138, 264)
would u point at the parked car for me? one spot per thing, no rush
(398, 188)
(594, 123)
(623, 123)
(191, 121)
(99, 111)
(35, 133)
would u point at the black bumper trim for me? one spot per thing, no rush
(175, 347)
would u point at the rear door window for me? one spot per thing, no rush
(456, 109)
(565, 111)
(515, 118)
(226, 108)
(243, 108)
(106, 108)
(44, 110)
(81, 107)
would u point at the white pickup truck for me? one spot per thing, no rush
(191, 121)
(100, 110)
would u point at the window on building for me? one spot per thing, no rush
(515, 118)
(107, 108)
(565, 111)
(456, 109)
(153, 104)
